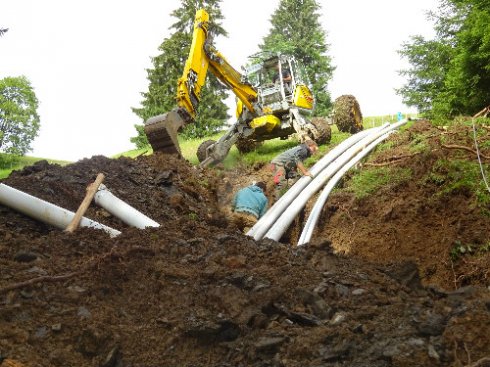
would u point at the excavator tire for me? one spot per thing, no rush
(324, 131)
(247, 145)
(347, 114)
(202, 150)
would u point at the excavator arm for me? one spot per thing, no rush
(162, 130)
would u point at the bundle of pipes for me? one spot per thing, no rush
(312, 220)
(263, 224)
(58, 217)
(44, 211)
(280, 216)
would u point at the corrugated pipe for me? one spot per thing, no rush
(287, 217)
(263, 225)
(315, 213)
(122, 210)
(44, 211)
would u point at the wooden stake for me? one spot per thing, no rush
(91, 190)
(10, 363)
(483, 113)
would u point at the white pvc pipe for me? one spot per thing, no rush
(287, 217)
(266, 221)
(122, 210)
(315, 213)
(44, 211)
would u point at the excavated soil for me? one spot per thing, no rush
(377, 286)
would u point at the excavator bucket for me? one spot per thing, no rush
(161, 132)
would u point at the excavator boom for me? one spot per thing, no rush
(269, 105)
(162, 130)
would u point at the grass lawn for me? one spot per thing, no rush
(9, 163)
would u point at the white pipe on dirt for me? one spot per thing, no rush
(287, 217)
(315, 213)
(122, 210)
(262, 226)
(44, 211)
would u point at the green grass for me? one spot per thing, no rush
(386, 145)
(461, 249)
(460, 176)
(9, 163)
(133, 153)
(419, 144)
(366, 182)
(263, 154)
(270, 148)
(373, 121)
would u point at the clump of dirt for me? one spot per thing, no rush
(197, 292)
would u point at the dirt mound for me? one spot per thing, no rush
(196, 292)
(444, 231)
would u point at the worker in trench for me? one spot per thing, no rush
(249, 204)
(286, 165)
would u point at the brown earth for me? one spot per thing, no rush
(376, 287)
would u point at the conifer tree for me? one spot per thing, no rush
(296, 31)
(450, 75)
(168, 67)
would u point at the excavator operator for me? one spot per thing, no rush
(286, 75)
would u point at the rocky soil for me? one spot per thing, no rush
(379, 285)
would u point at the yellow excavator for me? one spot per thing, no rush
(266, 108)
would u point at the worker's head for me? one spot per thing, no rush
(262, 185)
(312, 146)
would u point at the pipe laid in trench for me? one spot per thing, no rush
(264, 223)
(284, 221)
(44, 211)
(312, 220)
(122, 210)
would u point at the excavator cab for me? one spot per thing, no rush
(276, 78)
(284, 94)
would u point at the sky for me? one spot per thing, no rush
(87, 60)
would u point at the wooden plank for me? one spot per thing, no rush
(91, 190)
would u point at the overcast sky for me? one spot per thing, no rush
(87, 60)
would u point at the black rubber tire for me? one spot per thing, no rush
(247, 145)
(201, 151)
(324, 131)
(347, 114)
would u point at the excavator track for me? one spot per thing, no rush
(162, 130)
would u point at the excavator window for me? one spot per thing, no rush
(255, 75)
